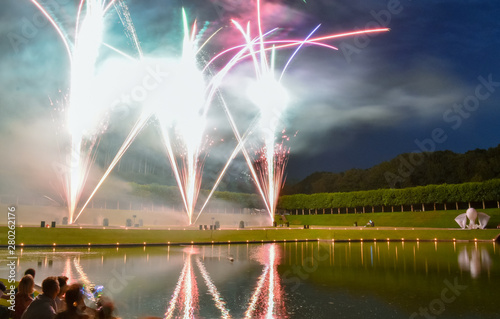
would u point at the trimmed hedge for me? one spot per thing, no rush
(430, 194)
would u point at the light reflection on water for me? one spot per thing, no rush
(293, 280)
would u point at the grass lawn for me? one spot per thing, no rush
(432, 219)
(76, 236)
(397, 225)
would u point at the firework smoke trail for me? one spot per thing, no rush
(239, 147)
(83, 111)
(271, 110)
(126, 20)
(138, 126)
(214, 85)
(81, 122)
(273, 158)
(283, 44)
(186, 115)
(271, 98)
(245, 52)
(270, 113)
(190, 175)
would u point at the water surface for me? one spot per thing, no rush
(292, 280)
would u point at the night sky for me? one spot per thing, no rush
(434, 77)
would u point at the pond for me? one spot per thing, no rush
(291, 280)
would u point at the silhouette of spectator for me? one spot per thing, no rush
(23, 296)
(105, 309)
(3, 291)
(75, 307)
(4, 311)
(63, 287)
(30, 271)
(44, 305)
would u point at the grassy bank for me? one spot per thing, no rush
(437, 219)
(76, 236)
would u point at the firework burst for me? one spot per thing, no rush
(84, 113)
(183, 105)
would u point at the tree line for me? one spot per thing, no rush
(407, 170)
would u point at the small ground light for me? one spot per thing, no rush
(104, 228)
(475, 239)
(144, 243)
(435, 239)
(417, 239)
(169, 243)
(361, 239)
(454, 239)
(247, 240)
(374, 239)
(117, 244)
(89, 244)
(80, 227)
(22, 244)
(402, 239)
(388, 239)
(53, 244)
